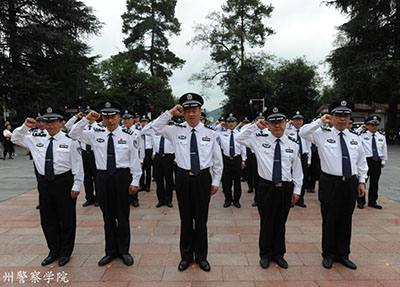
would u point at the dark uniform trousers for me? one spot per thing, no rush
(305, 175)
(374, 173)
(337, 198)
(113, 195)
(89, 168)
(163, 172)
(145, 180)
(314, 171)
(231, 173)
(273, 208)
(58, 213)
(253, 178)
(193, 194)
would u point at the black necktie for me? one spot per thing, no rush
(232, 146)
(162, 143)
(375, 155)
(346, 164)
(49, 161)
(111, 165)
(300, 144)
(277, 167)
(194, 154)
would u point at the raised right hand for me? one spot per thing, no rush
(326, 119)
(261, 124)
(93, 116)
(30, 123)
(177, 110)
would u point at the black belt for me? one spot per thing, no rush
(231, 157)
(281, 184)
(56, 176)
(336, 177)
(191, 173)
(164, 155)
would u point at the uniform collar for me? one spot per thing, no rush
(56, 136)
(197, 128)
(273, 138)
(369, 132)
(114, 132)
(336, 131)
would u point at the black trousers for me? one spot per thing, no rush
(305, 175)
(314, 171)
(8, 148)
(163, 172)
(145, 180)
(89, 168)
(374, 173)
(273, 207)
(58, 213)
(193, 194)
(337, 198)
(231, 174)
(253, 178)
(113, 196)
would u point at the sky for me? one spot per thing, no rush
(302, 28)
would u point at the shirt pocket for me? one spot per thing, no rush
(122, 150)
(353, 150)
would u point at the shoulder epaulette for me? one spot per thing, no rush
(179, 125)
(99, 129)
(293, 139)
(382, 133)
(325, 128)
(261, 134)
(100, 125)
(354, 132)
(209, 127)
(128, 131)
(363, 131)
(38, 134)
(31, 130)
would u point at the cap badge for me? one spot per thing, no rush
(49, 110)
(375, 118)
(189, 97)
(297, 113)
(343, 103)
(231, 115)
(275, 110)
(126, 111)
(88, 107)
(107, 105)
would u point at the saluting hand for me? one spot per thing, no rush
(74, 194)
(326, 119)
(177, 110)
(133, 189)
(79, 115)
(213, 190)
(93, 116)
(30, 123)
(261, 124)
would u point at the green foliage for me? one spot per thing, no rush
(147, 24)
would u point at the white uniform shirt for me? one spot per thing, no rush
(156, 137)
(380, 144)
(306, 145)
(225, 139)
(125, 146)
(330, 152)
(263, 145)
(180, 135)
(66, 154)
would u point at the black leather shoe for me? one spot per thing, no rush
(250, 190)
(312, 191)
(227, 204)
(375, 205)
(127, 259)
(347, 262)
(281, 263)
(135, 203)
(264, 263)
(37, 206)
(301, 204)
(237, 204)
(159, 204)
(360, 205)
(204, 265)
(170, 205)
(105, 260)
(63, 260)
(48, 260)
(96, 203)
(327, 262)
(147, 189)
(87, 203)
(254, 203)
(183, 265)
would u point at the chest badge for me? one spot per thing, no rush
(289, 150)
(40, 145)
(100, 140)
(266, 145)
(206, 139)
(121, 141)
(330, 140)
(353, 142)
(63, 145)
(182, 137)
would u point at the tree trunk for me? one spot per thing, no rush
(242, 37)
(152, 40)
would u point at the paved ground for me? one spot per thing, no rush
(233, 247)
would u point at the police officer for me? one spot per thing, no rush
(163, 163)
(118, 176)
(281, 177)
(344, 170)
(147, 147)
(196, 151)
(293, 130)
(234, 157)
(129, 120)
(375, 148)
(59, 167)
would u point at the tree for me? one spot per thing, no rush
(229, 35)
(153, 20)
(43, 56)
(366, 62)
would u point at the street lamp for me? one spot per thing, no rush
(264, 108)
